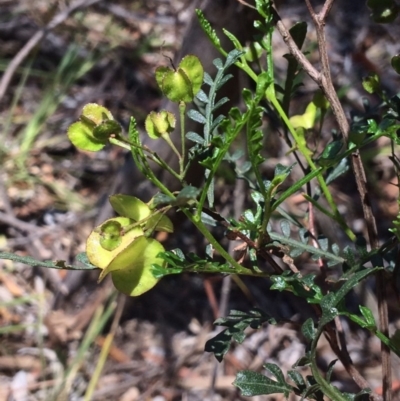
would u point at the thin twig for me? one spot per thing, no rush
(247, 4)
(326, 8)
(295, 51)
(361, 181)
(345, 359)
(36, 38)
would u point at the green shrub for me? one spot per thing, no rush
(124, 246)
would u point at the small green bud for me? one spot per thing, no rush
(160, 124)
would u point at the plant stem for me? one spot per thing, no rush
(237, 268)
(332, 392)
(182, 109)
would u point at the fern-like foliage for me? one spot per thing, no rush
(236, 323)
(177, 262)
(295, 248)
(56, 264)
(207, 117)
(208, 148)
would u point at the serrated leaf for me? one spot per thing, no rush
(328, 314)
(219, 345)
(302, 361)
(174, 258)
(297, 379)
(240, 336)
(298, 247)
(236, 323)
(253, 383)
(308, 329)
(276, 371)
